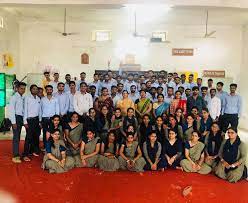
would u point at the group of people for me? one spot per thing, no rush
(131, 122)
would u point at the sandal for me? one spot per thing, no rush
(26, 159)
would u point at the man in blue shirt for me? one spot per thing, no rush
(31, 123)
(49, 107)
(231, 111)
(16, 109)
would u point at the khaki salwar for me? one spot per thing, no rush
(195, 154)
(106, 163)
(52, 166)
(235, 174)
(130, 153)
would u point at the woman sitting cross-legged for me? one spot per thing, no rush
(194, 154)
(89, 150)
(55, 159)
(73, 134)
(109, 151)
(152, 151)
(232, 156)
(131, 156)
(172, 150)
(213, 141)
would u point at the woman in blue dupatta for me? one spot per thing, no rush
(160, 106)
(232, 154)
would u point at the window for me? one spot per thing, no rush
(1, 22)
(161, 35)
(101, 35)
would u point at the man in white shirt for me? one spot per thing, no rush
(82, 101)
(129, 83)
(214, 105)
(55, 82)
(114, 95)
(82, 79)
(71, 94)
(170, 82)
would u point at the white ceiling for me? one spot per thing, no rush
(194, 15)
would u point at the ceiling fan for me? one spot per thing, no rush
(64, 33)
(207, 33)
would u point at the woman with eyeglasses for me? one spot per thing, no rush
(232, 154)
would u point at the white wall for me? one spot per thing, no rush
(40, 44)
(9, 41)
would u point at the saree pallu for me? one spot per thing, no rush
(143, 105)
(75, 135)
(159, 110)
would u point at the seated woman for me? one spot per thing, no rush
(188, 128)
(130, 119)
(160, 130)
(205, 123)
(103, 122)
(178, 102)
(194, 154)
(109, 151)
(180, 116)
(232, 156)
(73, 134)
(125, 103)
(172, 150)
(90, 121)
(55, 124)
(131, 156)
(152, 150)
(116, 123)
(145, 130)
(89, 150)
(174, 126)
(143, 106)
(213, 142)
(104, 100)
(55, 159)
(160, 106)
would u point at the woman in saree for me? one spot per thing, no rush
(90, 121)
(103, 122)
(73, 134)
(172, 150)
(125, 103)
(160, 106)
(108, 160)
(205, 123)
(142, 106)
(152, 150)
(55, 159)
(178, 102)
(55, 124)
(232, 154)
(116, 123)
(188, 128)
(128, 120)
(104, 100)
(194, 153)
(180, 116)
(131, 156)
(213, 141)
(89, 150)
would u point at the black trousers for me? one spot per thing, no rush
(227, 119)
(32, 139)
(45, 126)
(16, 135)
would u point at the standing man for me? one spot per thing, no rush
(71, 94)
(114, 96)
(63, 101)
(82, 79)
(195, 100)
(82, 101)
(55, 82)
(67, 81)
(191, 82)
(49, 107)
(231, 111)
(96, 83)
(170, 81)
(16, 109)
(134, 95)
(31, 123)
(214, 105)
(170, 95)
(204, 94)
(107, 83)
(129, 83)
(183, 82)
